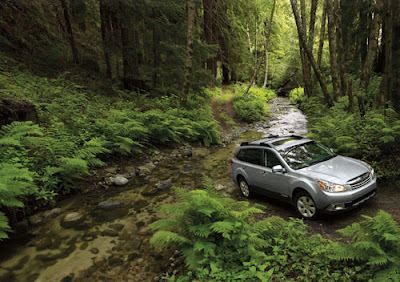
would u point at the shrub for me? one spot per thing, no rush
(297, 95)
(249, 108)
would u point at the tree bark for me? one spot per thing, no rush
(266, 62)
(266, 42)
(105, 36)
(332, 50)
(311, 36)
(351, 97)
(321, 37)
(340, 48)
(370, 58)
(67, 18)
(395, 79)
(305, 60)
(191, 13)
(209, 7)
(302, 37)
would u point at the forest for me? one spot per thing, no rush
(89, 84)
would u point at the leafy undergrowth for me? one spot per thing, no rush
(220, 240)
(373, 138)
(79, 129)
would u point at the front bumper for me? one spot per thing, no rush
(332, 208)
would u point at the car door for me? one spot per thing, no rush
(251, 162)
(276, 184)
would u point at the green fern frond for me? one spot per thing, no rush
(163, 239)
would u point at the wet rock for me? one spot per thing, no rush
(150, 192)
(143, 171)
(44, 243)
(164, 185)
(138, 205)
(109, 180)
(100, 263)
(72, 219)
(140, 224)
(68, 278)
(22, 225)
(84, 246)
(52, 213)
(94, 251)
(115, 261)
(132, 256)
(109, 233)
(116, 226)
(120, 181)
(187, 152)
(87, 237)
(109, 205)
(35, 219)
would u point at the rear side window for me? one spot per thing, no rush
(253, 156)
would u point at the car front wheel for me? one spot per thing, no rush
(244, 187)
(305, 206)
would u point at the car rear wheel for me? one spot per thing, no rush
(244, 187)
(305, 206)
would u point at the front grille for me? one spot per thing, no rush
(360, 181)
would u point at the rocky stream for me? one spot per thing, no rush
(103, 235)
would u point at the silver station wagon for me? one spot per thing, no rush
(307, 174)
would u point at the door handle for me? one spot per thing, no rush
(243, 167)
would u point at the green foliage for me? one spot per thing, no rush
(373, 138)
(220, 239)
(15, 183)
(297, 95)
(253, 106)
(376, 244)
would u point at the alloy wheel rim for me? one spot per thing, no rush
(244, 188)
(306, 206)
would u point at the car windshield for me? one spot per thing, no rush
(306, 155)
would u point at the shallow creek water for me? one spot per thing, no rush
(113, 244)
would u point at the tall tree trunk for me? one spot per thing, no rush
(305, 60)
(248, 38)
(191, 17)
(332, 50)
(67, 18)
(362, 31)
(321, 37)
(385, 87)
(340, 48)
(311, 36)
(395, 81)
(209, 7)
(257, 68)
(351, 98)
(266, 61)
(370, 58)
(105, 36)
(302, 39)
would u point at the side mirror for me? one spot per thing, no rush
(278, 169)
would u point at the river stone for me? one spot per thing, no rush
(44, 243)
(143, 170)
(164, 185)
(116, 226)
(115, 260)
(52, 213)
(120, 181)
(109, 180)
(109, 205)
(72, 219)
(35, 219)
(94, 251)
(109, 233)
(187, 152)
(151, 192)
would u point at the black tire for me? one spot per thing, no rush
(305, 206)
(244, 187)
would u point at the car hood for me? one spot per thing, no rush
(338, 169)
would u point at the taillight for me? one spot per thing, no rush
(230, 162)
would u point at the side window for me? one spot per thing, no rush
(271, 159)
(253, 156)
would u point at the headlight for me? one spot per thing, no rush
(371, 170)
(331, 187)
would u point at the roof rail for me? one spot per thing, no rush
(244, 143)
(298, 136)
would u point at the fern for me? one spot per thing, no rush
(376, 242)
